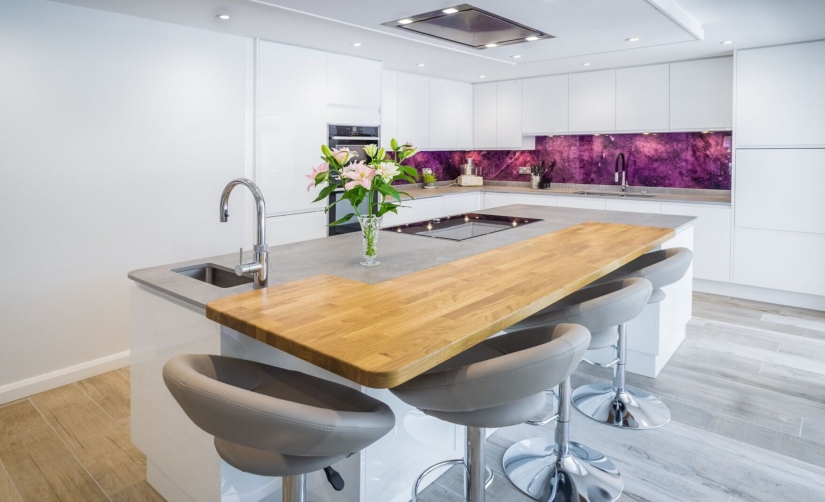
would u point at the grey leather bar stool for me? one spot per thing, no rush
(531, 463)
(275, 422)
(618, 404)
(497, 383)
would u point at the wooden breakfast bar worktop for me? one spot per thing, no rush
(381, 335)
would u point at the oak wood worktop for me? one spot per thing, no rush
(384, 333)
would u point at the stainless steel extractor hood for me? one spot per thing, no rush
(469, 26)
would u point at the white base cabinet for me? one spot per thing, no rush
(290, 228)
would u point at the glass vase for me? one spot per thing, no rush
(370, 227)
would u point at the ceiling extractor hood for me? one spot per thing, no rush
(469, 26)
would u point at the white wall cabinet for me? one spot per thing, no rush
(712, 238)
(780, 96)
(593, 101)
(451, 111)
(414, 109)
(389, 107)
(508, 114)
(643, 98)
(701, 95)
(359, 85)
(484, 115)
(544, 103)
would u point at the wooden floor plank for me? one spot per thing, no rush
(111, 392)
(126, 371)
(813, 430)
(102, 446)
(8, 493)
(41, 467)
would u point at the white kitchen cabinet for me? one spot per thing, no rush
(492, 199)
(781, 189)
(484, 115)
(592, 101)
(291, 123)
(533, 200)
(353, 81)
(780, 96)
(291, 228)
(389, 107)
(452, 205)
(472, 202)
(633, 205)
(701, 95)
(508, 114)
(451, 112)
(788, 261)
(414, 109)
(711, 238)
(581, 202)
(544, 103)
(643, 98)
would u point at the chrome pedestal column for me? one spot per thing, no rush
(294, 488)
(561, 470)
(618, 404)
(477, 476)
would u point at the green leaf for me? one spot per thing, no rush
(394, 144)
(324, 193)
(342, 220)
(390, 192)
(326, 151)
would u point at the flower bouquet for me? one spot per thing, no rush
(363, 180)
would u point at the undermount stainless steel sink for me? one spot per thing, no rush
(614, 194)
(214, 274)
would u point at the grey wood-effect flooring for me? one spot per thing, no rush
(745, 390)
(747, 394)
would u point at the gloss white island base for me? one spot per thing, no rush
(183, 466)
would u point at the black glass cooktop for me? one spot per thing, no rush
(461, 226)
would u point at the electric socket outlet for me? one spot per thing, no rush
(524, 170)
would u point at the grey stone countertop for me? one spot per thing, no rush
(686, 195)
(399, 253)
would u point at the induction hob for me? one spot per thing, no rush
(461, 226)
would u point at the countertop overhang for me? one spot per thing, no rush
(382, 335)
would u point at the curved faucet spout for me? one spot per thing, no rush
(261, 252)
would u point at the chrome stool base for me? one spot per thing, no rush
(458, 461)
(584, 475)
(631, 409)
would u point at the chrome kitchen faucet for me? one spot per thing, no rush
(260, 266)
(624, 172)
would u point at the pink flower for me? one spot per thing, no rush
(321, 168)
(361, 174)
(343, 155)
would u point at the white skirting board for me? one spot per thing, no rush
(48, 381)
(789, 298)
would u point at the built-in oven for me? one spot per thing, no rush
(355, 138)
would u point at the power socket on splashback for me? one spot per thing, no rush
(524, 170)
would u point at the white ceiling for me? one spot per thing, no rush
(587, 31)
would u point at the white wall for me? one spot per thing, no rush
(117, 136)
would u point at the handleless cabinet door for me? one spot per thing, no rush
(593, 101)
(508, 114)
(464, 116)
(643, 98)
(443, 113)
(389, 107)
(359, 85)
(484, 115)
(711, 238)
(414, 109)
(701, 95)
(544, 105)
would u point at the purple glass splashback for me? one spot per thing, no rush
(674, 160)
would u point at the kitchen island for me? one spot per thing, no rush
(169, 308)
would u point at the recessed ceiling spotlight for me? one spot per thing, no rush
(450, 11)
(585, 64)
(223, 16)
(420, 64)
(482, 76)
(727, 42)
(405, 21)
(490, 46)
(356, 44)
(515, 56)
(632, 39)
(531, 39)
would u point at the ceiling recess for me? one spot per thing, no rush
(469, 26)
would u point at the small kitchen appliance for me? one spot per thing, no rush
(470, 175)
